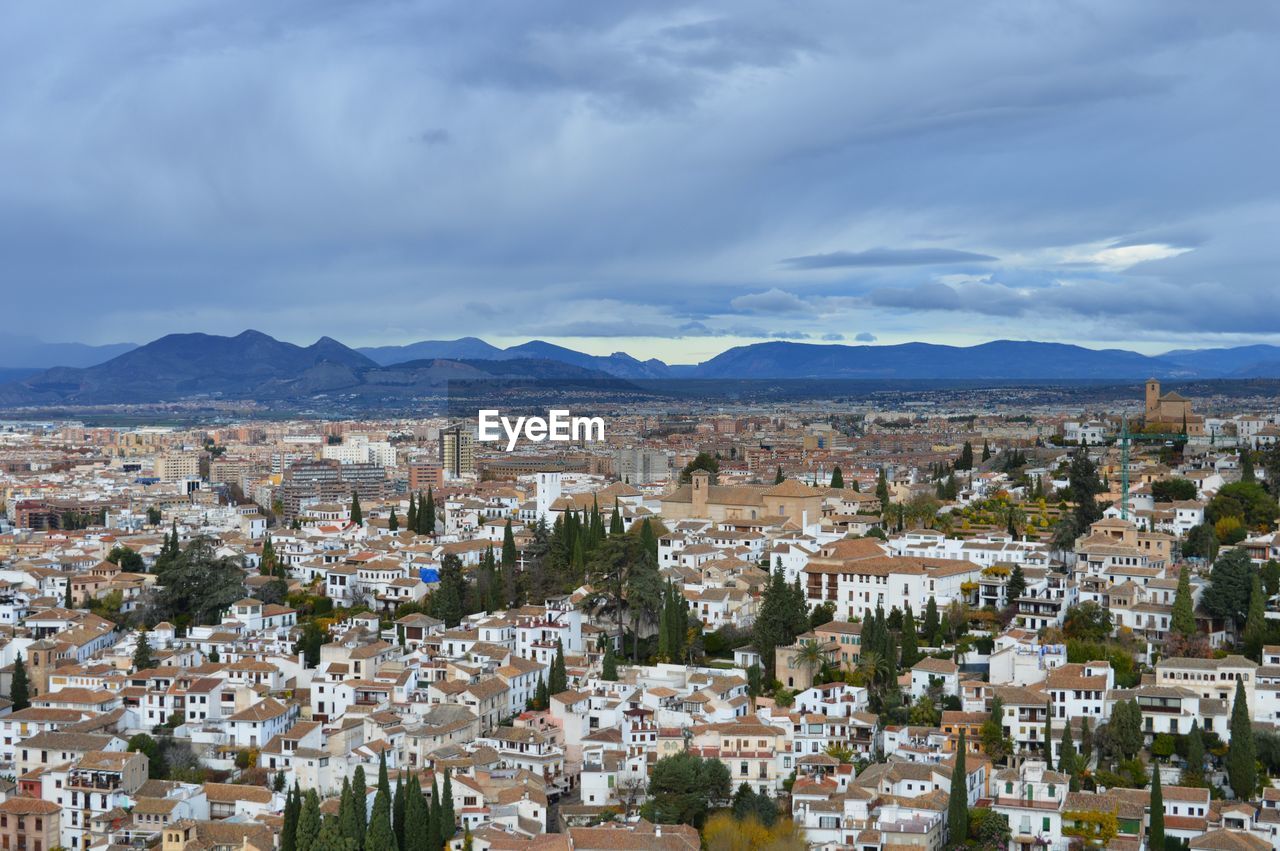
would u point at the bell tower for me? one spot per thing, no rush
(1153, 398)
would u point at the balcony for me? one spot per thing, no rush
(94, 780)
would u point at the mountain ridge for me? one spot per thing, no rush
(255, 365)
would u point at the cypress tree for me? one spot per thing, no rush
(559, 677)
(360, 792)
(1086, 741)
(435, 826)
(308, 821)
(348, 827)
(1183, 619)
(411, 517)
(1048, 733)
(1246, 466)
(1155, 834)
(67, 602)
(910, 640)
(648, 539)
(1255, 625)
(429, 520)
(958, 804)
(142, 658)
(415, 819)
(1195, 755)
(447, 825)
(931, 621)
(398, 812)
(380, 836)
(615, 522)
(1242, 758)
(20, 686)
(393, 522)
(508, 546)
(384, 782)
(542, 695)
(778, 478)
(837, 478)
(610, 668)
(1068, 762)
(1017, 585)
(986, 451)
(289, 830)
(357, 516)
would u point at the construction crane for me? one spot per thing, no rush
(1127, 437)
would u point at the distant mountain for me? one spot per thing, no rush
(1260, 361)
(1002, 359)
(464, 348)
(619, 364)
(253, 365)
(22, 352)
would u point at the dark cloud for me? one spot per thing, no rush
(887, 257)
(398, 170)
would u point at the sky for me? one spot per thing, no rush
(668, 179)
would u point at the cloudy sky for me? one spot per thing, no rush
(670, 179)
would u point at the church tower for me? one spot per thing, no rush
(1153, 399)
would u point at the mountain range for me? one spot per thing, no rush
(253, 365)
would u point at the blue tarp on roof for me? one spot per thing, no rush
(428, 574)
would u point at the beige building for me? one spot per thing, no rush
(177, 466)
(29, 824)
(796, 502)
(1171, 411)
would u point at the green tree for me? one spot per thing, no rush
(684, 786)
(348, 825)
(509, 554)
(380, 835)
(197, 585)
(837, 478)
(399, 809)
(144, 744)
(995, 744)
(882, 489)
(1155, 833)
(965, 461)
(448, 821)
(1068, 759)
(142, 658)
(1242, 758)
(1246, 466)
(1255, 624)
(1084, 486)
(702, 461)
(1183, 620)
(411, 516)
(393, 522)
(1194, 774)
(1017, 585)
(1230, 582)
(778, 622)
(1201, 542)
(610, 668)
(127, 559)
(448, 599)
(19, 686)
(308, 821)
(360, 792)
(289, 828)
(427, 515)
(958, 800)
(1173, 490)
(932, 623)
(1125, 728)
(1247, 501)
(559, 676)
(357, 516)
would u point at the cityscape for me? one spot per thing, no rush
(689, 426)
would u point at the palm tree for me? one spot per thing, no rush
(810, 656)
(873, 666)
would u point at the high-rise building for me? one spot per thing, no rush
(457, 451)
(425, 473)
(639, 466)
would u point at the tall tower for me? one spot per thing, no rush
(1153, 398)
(548, 492)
